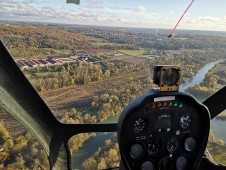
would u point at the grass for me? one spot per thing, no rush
(62, 51)
(66, 51)
(98, 44)
(132, 52)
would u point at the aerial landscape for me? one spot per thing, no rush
(89, 74)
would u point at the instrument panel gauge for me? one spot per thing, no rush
(136, 151)
(190, 144)
(185, 121)
(172, 145)
(139, 125)
(170, 77)
(147, 165)
(153, 147)
(181, 163)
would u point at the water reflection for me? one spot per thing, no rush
(101, 152)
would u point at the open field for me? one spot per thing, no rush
(63, 100)
(128, 59)
(58, 51)
(132, 52)
(63, 51)
(100, 44)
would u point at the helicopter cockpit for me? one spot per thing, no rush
(164, 128)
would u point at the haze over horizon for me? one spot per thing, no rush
(137, 14)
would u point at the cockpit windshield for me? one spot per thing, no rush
(89, 61)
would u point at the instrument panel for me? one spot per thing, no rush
(164, 132)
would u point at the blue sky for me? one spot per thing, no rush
(203, 15)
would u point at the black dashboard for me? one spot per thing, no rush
(163, 131)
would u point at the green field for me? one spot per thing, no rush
(99, 44)
(66, 51)
(63, 51)
(132, 52)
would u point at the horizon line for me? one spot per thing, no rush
(90, 25)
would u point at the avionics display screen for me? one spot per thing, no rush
(163, 122)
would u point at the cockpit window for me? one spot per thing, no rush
(88, 62)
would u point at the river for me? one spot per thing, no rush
(93, 144)
(199, 77)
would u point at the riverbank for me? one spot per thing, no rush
(213, 81)
(199, 77)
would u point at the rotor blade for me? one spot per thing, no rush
(173, 31)
(73, 1)
(216, 103)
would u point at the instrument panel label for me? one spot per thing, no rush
(165, 98)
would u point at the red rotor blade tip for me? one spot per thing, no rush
(171, 34)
